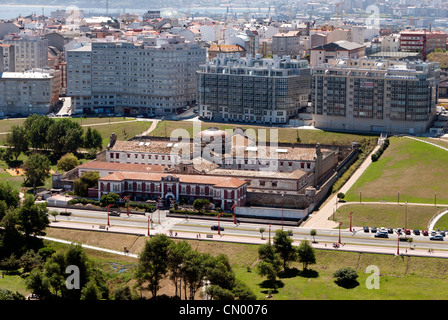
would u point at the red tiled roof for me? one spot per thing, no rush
(218, 182)
(100, 165)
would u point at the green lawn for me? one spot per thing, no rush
(411, 169)
(386, 215)
(287, 135)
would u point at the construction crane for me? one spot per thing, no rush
(337, 10)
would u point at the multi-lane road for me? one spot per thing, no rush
(249, 231)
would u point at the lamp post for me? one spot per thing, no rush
(406, 215)
(360, 196)
(108, 222)
(219, 225)
(350, 215)
(149, 235)
(398, 244)
(269, 233)
(340, 223)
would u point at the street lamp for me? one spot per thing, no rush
(406, 215)
(340, 223)
(108, 222)
(350, 215)
(149, 235)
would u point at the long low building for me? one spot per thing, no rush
(221, 191)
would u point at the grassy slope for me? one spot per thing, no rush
(413, 168)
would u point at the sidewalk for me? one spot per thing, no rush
(403, 249)
(320, 219)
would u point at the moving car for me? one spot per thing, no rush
(216, 228)
(114, 213)
(437, 237)
(381, 235)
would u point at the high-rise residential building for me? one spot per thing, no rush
(31, 51)
(156, 76)
(375, 95)
(25, 93)
(7, 58)
(250, 89)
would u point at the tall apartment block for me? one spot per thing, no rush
(375, 95)
(31, 51)
(33, 91)
(250, 89)
(156, 76)
(7, 58)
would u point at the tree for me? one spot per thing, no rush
(200, 204)
(283, 245)
(313, 233)
(270, 262)
(341, 195)
(153, 263)
(68, 162)
(109, 198)
(64, 136)
(32, 217)
(92, 139)
(54, 213)
(90, 292)
(9, 195)
(262, 230)
(217, 293)
(37, 130)
(17, 140)
(38, 284)
(37, 169)
(346, 277)
(31, 260)
(176, 256)
(88, 179)
(306, 254)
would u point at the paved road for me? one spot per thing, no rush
(358, 240)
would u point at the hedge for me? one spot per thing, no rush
(380, 151)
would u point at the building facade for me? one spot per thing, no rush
(7, 58)
(223, 192)
(30, 51)
(251, 89)
(375, 95)
(414, 40)
(24, 93)
(155, 76)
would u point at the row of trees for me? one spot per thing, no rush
(188, 270)
(274, 257)
(58, 136)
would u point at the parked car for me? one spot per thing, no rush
(381, 235)
(373, 229)
(216, 228)
(366, 229)
(442, 233)
(437, 237)
(382, 229)
(425, 232)
(417, 232)
(390, 230)
(398, 230)
(407, 232)
(433, 233)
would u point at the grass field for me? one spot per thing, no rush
(401, 278)
(286, 135)
(412, 170)
(386, 215)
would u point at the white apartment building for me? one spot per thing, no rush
(156, 76)
(31, 51)
(7, 58)
(25, 93)
(375, 95)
